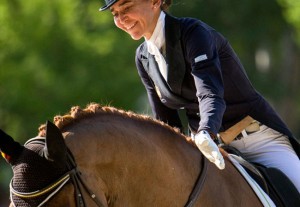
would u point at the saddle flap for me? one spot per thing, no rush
(282, 190)
(276, 184)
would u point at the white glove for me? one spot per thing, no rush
(209, 149)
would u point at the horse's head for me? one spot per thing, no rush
(38, 166)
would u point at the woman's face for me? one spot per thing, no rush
(136, 17)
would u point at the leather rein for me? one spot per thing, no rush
(74, 175)
(199, 184)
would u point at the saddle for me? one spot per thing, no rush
(275, 184)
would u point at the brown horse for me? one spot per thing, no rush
(102, 156)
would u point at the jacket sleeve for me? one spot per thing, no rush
(201, 51)
(159, 110)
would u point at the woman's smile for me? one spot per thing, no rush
(130, 26)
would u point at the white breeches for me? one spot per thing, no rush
(271, 149)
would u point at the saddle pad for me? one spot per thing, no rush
(264, 198)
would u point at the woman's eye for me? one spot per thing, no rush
(125, 10)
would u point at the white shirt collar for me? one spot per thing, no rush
(158, 36)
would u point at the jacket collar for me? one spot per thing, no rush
(174, 55)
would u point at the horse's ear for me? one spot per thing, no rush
(55, 148)
(10, 149)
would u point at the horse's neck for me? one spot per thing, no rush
(130, 161)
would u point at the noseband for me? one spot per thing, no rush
(72, 175)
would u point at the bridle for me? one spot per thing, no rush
(74, 175)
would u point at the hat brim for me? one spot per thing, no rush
(107, 5)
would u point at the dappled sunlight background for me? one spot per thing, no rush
(61, 53)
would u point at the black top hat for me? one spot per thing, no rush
(108, 3)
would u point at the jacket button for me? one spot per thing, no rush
(163, 100)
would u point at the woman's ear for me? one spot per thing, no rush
(156, 3)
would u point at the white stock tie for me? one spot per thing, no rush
(153, 50)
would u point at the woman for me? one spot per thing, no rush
(186, 64)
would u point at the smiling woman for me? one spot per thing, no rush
(186, 64)
(137, 18)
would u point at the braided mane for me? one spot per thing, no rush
(94, 109)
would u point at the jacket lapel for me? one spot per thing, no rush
(175, 58)
(149, 62)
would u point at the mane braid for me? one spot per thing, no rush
(92, 109)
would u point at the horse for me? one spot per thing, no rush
(108, 157)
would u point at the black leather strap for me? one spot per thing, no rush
(199, 184)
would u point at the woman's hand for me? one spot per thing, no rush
(209, 148)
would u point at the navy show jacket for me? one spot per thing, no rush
(206, 78)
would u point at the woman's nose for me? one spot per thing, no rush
(122, 18)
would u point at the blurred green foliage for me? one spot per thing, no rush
(291, 12)
(60, 53)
